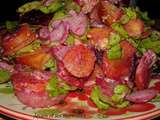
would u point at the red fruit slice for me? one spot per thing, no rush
(119, 68)
(18, 40)
(79, 61)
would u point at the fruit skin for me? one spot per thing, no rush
(31, 91)
(120, 66)
(79, 61)
(134, 27)
(14, 42)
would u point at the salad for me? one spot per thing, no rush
(98, 51)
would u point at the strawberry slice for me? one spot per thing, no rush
(134, 27)
(119, 68)
(35, 59)
(14, 42)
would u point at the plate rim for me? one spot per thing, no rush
(15, 114)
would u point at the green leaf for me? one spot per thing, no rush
(70, 40)
(114, 39)
(115, 52)
(59, 15)
(119, 28)
(123, 104)
(120, 89)
(156, 99)
(130, 12)
(95, 98)
(6, 90)
(51, 64)
(53, 89)
(29, 7)
(71, 5)
(4, 76)
(11, 25)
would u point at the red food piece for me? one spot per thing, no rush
(142, 76)
(31, 91)
(119, 68)
(109, 12)
(115, 111)
(66, 76)
(14, 42)
(134, 27)
(142, 96)
(99, 37)
(142, 107)
(79, 61)
(157, 86)
(35, 59)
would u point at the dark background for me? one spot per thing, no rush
(8, 12)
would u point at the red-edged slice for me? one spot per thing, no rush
(109, 13)
(18, 40)
(31, 91)
(142, 107)
(134, 27)
(35, 59)
(119, 68)
(79, 61)
(99, 37)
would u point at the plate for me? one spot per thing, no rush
(10, 106)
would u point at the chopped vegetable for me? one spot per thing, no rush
(11, 25)
(4, 76)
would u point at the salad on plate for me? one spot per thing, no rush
(81, 57)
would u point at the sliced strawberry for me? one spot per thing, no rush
(79, 61)
(119, 68)
(109, 13)
(18, 40)
(140, 107)
(99, 37)
(35, 60)
(115, 111)
(134, 27)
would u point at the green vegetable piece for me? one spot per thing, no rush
(71, 5)
(119, 28)
(59, 15)
(6, 90)
(4, 76)
(51, 64)
(114, 39)
(53, 89)
(45, 112)
(130, 12)
(117, 98)
(123, 104)
(11, 25)
(115, 52)
(119, 89)
(56, 5)
(156, 99)
(29, 7)
(124, 19)
(95, 98)
(70, 40)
